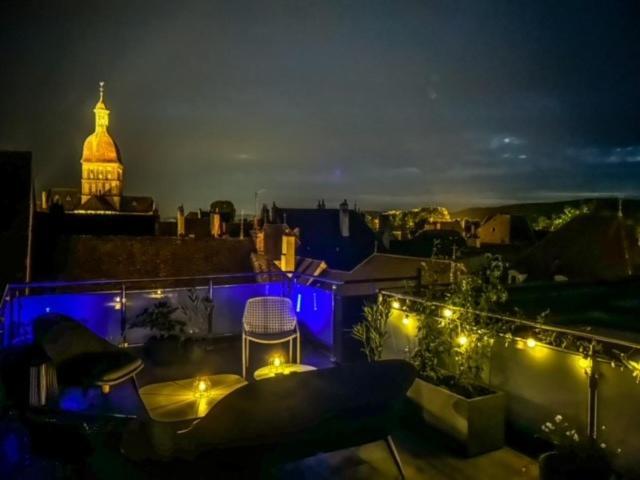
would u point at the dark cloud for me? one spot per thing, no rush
(390, 103)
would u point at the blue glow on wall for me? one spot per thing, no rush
(95, 310)
(101, 312)
(315, 311)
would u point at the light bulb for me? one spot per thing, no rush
(201, 387)
(463, 340)
(585, 363)
(447, 313)
(531, 342)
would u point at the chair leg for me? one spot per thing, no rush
(394, 454)
(291, 350)
(298, 353)
(244, 359)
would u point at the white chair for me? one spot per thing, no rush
(269, 320)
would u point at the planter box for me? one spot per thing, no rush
(477, 424)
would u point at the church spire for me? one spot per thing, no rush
(102, 114)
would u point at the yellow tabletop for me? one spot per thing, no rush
(177, 400)
(284, 369)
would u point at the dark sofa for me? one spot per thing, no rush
(289, 417)
(79, 356)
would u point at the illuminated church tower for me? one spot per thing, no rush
(102, 169)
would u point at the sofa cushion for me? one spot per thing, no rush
(63, 338)
(82, 357)
(97, 368)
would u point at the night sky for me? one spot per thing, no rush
(392, 103)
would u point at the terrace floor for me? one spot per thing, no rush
(424, 452)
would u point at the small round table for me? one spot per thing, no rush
(176, 401)
(284, 369)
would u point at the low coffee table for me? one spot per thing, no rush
(284, 369)
(176, 401)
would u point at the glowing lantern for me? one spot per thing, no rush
(395, 304)
(447, 313)
(531, 342)
(277, 363)
(586, 364)
(202, 387)
(462, 340)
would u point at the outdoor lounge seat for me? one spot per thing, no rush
(289, 417)
(79, 356)
(269, 320)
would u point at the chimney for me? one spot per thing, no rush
(344, 218)
(289, 247)
(180, 221)
(260, 241)
(215, 224)
(264, 216)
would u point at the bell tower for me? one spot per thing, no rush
(102, 169)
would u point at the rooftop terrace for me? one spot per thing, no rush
(540, 382)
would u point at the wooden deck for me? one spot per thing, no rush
(425, 455)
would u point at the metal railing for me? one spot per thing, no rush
(593, 356)
(124, 288)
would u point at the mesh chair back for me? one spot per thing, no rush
(269, 315)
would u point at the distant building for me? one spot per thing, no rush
(383, 270)
(101, 186)
(84, 257)
(211, 223)
(340, 237)
(431, 243)
(600, 246)
(455, 225)
(505, 229)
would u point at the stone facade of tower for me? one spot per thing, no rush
(102, 169)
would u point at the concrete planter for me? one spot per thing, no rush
(477, 424)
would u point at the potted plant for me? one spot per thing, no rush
(197, 311)
(372, 331)
(163, 347)
(453, 350)
(453, 344)
(575, 457)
